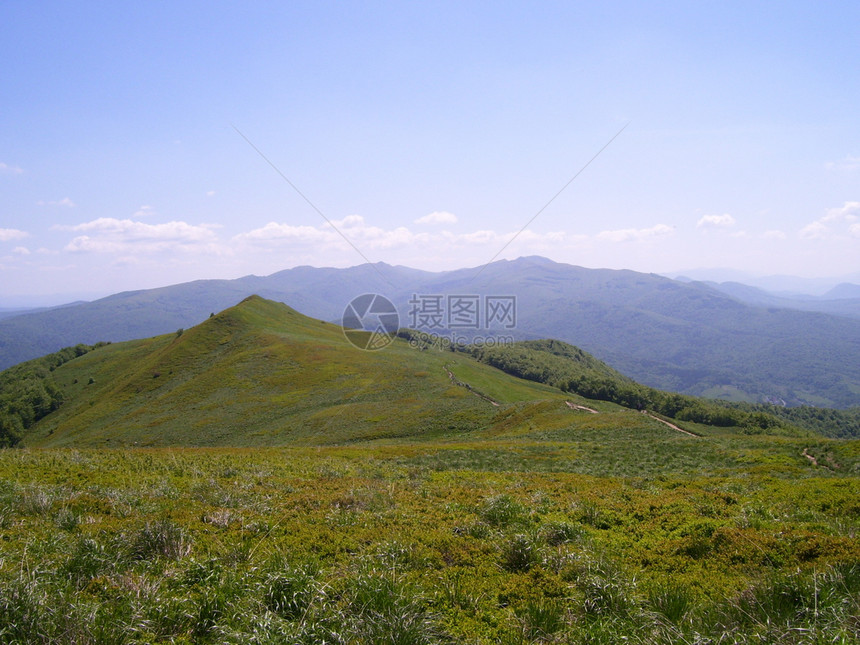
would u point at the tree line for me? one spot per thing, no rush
(573, 370)
(28, 392)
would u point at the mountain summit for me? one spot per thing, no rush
(260, 373)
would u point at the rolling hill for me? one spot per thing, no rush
(260, 373)
(685, 337)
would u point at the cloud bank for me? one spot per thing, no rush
(7, 234)
(111, 235)
(438, 217)
(716, 221)
(836, 222)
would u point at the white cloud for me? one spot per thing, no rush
(848, 212)
(210, 193)
(21, 250)
(774, 235)
(353, 227)
(373, 237)
(482, 237)
(372, 241)
(438, 217)
(629, 234)
(144, 211)
(716, 221)
(110, 235)
(274, 233)
(834, 223)
(6, 169)
(814, 231)
(350, 221)
(7, 234)
(65, 201)
(849, 163)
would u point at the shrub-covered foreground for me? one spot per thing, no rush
(419, 544)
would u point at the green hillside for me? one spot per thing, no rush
(262, 374)
(572, 370)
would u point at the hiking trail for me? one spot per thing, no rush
(671, 425)
(460, 383)
(574, 406)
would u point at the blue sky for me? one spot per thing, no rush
(427, 133)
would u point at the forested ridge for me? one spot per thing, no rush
(573, 370)
(28, 392)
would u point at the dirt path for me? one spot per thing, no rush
(574, 406)
(671, 425)
(460, 383)
(814, 461)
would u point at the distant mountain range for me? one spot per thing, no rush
(781, 285)
(841, 300)
(714, 340)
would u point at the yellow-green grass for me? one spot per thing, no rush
(479, 542)
(362, 497)
(257, 374)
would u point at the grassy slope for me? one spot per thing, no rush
(262, 374)
(515, 541)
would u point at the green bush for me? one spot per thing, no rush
(519, 553)
(502, 511)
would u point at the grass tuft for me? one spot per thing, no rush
(161, 538)
(22, 613)
(289, 594)
(67, 519)
(542, 619)
(502, 511)
(519, 553)
(89, 560)
(558, 533)
(671, 600)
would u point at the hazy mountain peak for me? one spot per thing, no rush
(843, 291)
